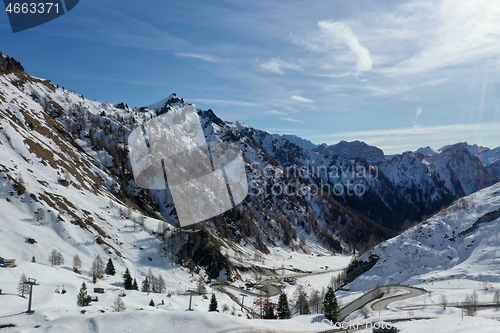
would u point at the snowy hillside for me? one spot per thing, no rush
(458, 244)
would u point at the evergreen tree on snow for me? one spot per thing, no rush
(82, 298)
(145, 288)
(283, 307)
(269, 311)
(213, 303)
(110, 268)
(134, 285)
(330, 305)
(127, 280)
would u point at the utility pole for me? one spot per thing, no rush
(31, 282)
(190, 297)
(242, 300)
(260, 303)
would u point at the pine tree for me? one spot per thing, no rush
(151, 303)
(145, 288)
(83, 299)
(22, 288)
(127, 280)
(269, 311)
(33, 259)
(110, 268)
(283, 307)
(213, 303)
(134, 285)
(330, 305)
(302, 304)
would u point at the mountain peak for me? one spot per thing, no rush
(9, 65)
(171, 100)
(426, 151)
(354, 149)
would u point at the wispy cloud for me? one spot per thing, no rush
(418, 113)
(447, 33)
(203, 57)
(276, 65)
(291, 120)
(411, 138)
(337, 38)
(301, 99)
(276, 112)
(222, 102)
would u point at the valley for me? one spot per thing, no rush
(418, 246)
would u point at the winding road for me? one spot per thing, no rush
(384, 302)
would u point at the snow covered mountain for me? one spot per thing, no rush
(459, 243)
(353, 149)
(299, 198)
(298, 141)
(66, 185)
(65, 158)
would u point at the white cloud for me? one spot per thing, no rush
(276, 65)
(223, 102)
(418, 113)
(397, 140)
(276, 112)
(341, 33)
(334, 37)
(448, 33)
(302, 99)
(291, 120)
(198, 56)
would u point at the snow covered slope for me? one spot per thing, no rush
(460, 242)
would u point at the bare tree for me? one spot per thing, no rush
(496, 299)
(444, 301)
(315, 301)
(142, 222)
(470, 304)
(56, 258)
(201, 286)
(162, 286)
(22, 288)
(77, 263)
(97, 269)
(119, 306)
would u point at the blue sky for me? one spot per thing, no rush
(395, 74)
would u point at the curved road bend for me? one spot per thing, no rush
(384, 303)
(378, 293)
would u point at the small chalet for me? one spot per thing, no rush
(11, 263)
